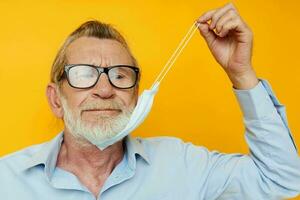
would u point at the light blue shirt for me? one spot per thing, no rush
(166, 168)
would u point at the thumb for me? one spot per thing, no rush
(207, 34)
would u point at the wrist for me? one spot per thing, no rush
(244, 81)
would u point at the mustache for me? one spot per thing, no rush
(102, 104)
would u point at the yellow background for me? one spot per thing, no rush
(195, 101)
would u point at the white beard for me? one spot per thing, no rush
(105, 128)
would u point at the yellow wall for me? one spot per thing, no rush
(195, 101)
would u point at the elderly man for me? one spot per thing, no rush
(94, 89)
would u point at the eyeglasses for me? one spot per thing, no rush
(84, 76)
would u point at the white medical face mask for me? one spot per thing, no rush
(138, 115)
(146, 99)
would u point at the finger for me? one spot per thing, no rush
(229, 26)
(206, 16)
(228, 16)
(218, 14)
(208, 34)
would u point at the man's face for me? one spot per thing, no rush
(103, 110)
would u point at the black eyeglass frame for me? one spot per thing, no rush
(100, 70)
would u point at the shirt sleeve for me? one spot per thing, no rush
(272, 168)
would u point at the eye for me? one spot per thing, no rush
(119, 76)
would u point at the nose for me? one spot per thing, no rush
(103, 88)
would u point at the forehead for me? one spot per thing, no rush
(100, 52)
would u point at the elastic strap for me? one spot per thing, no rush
(176, 53)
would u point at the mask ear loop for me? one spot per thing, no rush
(176, 54)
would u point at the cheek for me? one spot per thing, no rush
(129, 98)
(76, 99)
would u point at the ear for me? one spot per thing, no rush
(54, 100)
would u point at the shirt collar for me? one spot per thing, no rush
(48, 153)
(135, 146)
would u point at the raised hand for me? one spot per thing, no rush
(230, 42)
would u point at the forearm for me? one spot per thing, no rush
(269, 139)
